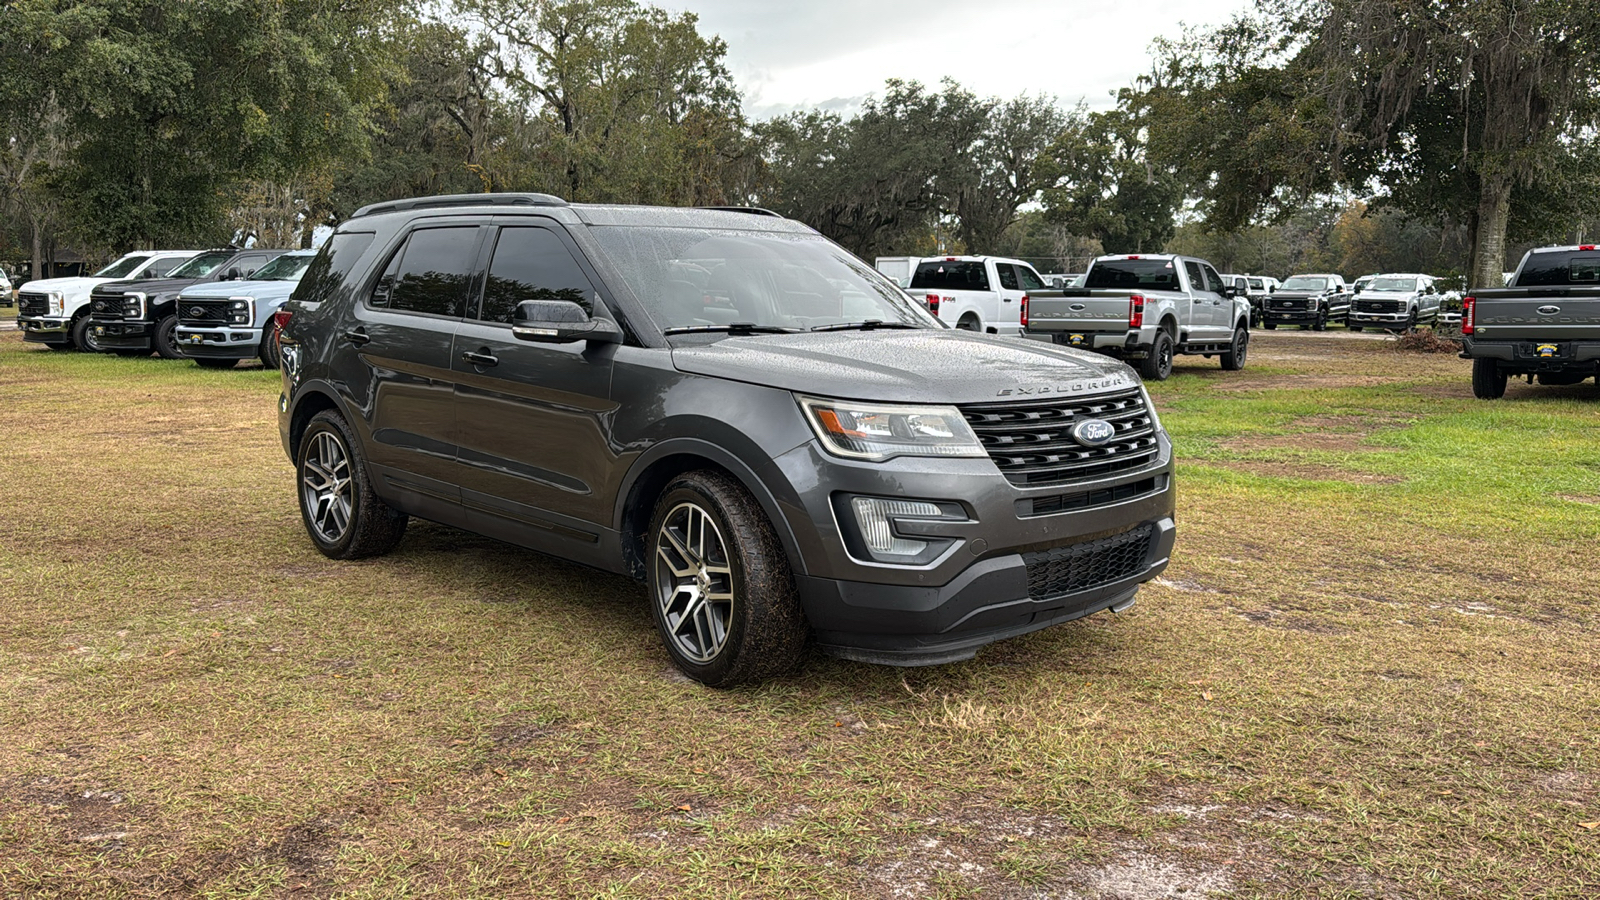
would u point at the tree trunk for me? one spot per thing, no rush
(38, 251)
(1489, 244)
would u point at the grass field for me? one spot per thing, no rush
(1371, 671)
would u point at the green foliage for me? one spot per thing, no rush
(1103, 184)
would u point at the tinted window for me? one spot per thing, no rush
(1029, 279)
(284, 268)
(332, 265)
(1197, 278)
(1544, 269)
(1008, 276)
(430, 274)
(162, 268)
(938, 274)
(1391, 284)
(122, 267)
(1257, 284)
(201, 265)
(1213, 280)
(532, 264)
(1156, 274)
(248, 265)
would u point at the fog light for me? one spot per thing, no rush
(873, 515)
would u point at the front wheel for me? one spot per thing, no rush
(270, 353)
(342, 514)
(167, 338)
(1238, 349)
(723, 596)
(1158, 365)
(1321, 324)
(83, 336)
(1488, 381)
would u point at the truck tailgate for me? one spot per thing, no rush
(1078, 310)
(1555, 314)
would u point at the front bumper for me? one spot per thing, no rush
(1382, 320)
(977, 590)
(219, 343)
(1290, 316)
(44, 330)
(113, 334)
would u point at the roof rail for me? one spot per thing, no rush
(749, 210)
(448, 200)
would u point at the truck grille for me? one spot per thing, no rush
(1079, 567)
(32, 304)
(1032, 442)
(106, 306)
(202, 312)
(1291, 304)
(1378, 306)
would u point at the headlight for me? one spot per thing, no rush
(241, 310)
(57, 302)
(873, 431)
(133, 305)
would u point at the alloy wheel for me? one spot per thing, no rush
(694, 582)
(326, 484)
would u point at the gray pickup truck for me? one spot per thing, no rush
(1146, 309)
(1545, 323)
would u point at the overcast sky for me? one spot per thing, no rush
(832, 53)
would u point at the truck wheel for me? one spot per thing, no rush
(83, 336)
(1411, 324)
(969, 323)
(1488, 382)
(167, 338)
(722, 593)
(268, 354)
(1321, 324)
(1158, 365)
(207, 362)
(1233, 360)
(343, 516)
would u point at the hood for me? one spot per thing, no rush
(260, 290)
(944, 366)
(67, 286)
(150, 287)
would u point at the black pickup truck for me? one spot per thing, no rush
(131, 318)
(1546, 323)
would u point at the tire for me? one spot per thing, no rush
(1488, 382)
(1355, 328)
(166, 338)
(83, 336)
(1233, 360)
(269, 352)
(342, 515)
(1411, 324)
(1321, 324)
(709, 539)
(969, 323)
(206, 362)
(1270, 326)
(1158, 365)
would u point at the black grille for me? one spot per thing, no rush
(1079, 567)
(1044, 506)
(1379, 306)
(106, 306)
(1032, 442)
(202, 312)
(1291, 304)
(32, 304)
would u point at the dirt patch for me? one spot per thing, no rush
(1273, 618)
(1589, 499)
(1327, 441)
(1306, 382)
(1281, 468)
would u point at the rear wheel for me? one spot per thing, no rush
(269, 351)
(1488, 382)
(1158, 365)
(1233, 360)
(969, 322)
(723, 595)
(167, 338)
(342, 514)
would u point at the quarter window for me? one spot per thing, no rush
(532, 264)
(1008, 276)
(430, 275)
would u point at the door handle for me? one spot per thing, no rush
(481, 358)
(1005, 299)
(358, 337)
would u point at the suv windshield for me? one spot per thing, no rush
(1305, 283)
(1392, 284)
(1155, 274)
(121, 267)
(201, 265)
(694, 278)
(284, 268)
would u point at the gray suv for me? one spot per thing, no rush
(727, 406)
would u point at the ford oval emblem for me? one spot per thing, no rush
(196, 311)
(1093, 432)
(1549, 310)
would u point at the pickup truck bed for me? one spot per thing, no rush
(1546, 325)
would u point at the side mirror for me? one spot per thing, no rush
(561, 322)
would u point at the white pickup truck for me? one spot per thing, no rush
(55, 311)
(1145, 309)
(976, 293)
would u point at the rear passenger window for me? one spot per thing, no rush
(532, 264)
(1008, 276)
(430, 274)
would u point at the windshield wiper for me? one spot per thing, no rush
(733, 328)
(868, 325)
